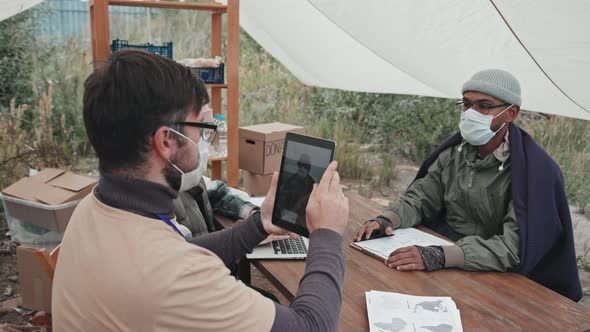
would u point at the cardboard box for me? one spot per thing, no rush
(261, 146)
(47, 199)
(35, 272)
(256, 184)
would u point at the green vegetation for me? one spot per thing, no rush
(372, 131)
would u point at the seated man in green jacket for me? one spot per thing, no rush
(469, 185)
(493, 190)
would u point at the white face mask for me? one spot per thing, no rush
(193, 178)
(475, 127)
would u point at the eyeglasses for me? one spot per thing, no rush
(482, 107)
(208, 129)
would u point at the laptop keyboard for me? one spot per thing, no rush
(289, 247)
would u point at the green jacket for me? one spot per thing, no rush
(474, 197)
(195, 208)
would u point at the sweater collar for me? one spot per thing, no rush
(135, 195)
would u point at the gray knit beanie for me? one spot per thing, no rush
(497, 83)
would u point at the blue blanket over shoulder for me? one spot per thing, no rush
(547, 254)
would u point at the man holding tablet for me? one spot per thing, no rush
(143, 274)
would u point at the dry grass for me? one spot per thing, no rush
(31, 143)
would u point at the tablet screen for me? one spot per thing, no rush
(302, 166)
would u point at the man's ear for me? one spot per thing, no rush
(512, 113)
(163, 143)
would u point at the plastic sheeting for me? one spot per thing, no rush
(10, 8)
(427, 47)
(431, 47)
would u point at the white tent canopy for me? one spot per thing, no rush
(431, 47)
(10, 8)
(427, 47)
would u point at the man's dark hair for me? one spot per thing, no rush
(129, 97)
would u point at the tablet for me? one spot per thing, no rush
(304, 161)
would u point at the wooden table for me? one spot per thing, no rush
(488, 301)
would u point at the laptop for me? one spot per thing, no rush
(281, 249)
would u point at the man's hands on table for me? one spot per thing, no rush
(371, 226)
(402, 259)
(406, 259)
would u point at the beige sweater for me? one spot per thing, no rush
(119, 271)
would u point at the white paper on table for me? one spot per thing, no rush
(399, 312)
(401, 238)
(412, 303)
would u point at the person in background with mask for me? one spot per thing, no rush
(124, 265)
(494, 191)
(197, 202)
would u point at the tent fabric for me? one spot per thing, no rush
(428, 47)
(10, 8)
(431, 47)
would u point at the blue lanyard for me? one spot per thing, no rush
(169, 222)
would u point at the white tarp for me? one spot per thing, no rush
(431, 47)
(10, 8)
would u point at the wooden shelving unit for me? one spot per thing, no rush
(214, 159)
(220, 86)
(99, 24)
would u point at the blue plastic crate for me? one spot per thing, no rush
(165, 50)
(210, 75)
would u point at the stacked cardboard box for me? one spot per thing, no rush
(261, 150)
(38, 209)
(36, 268)
(46, 199)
